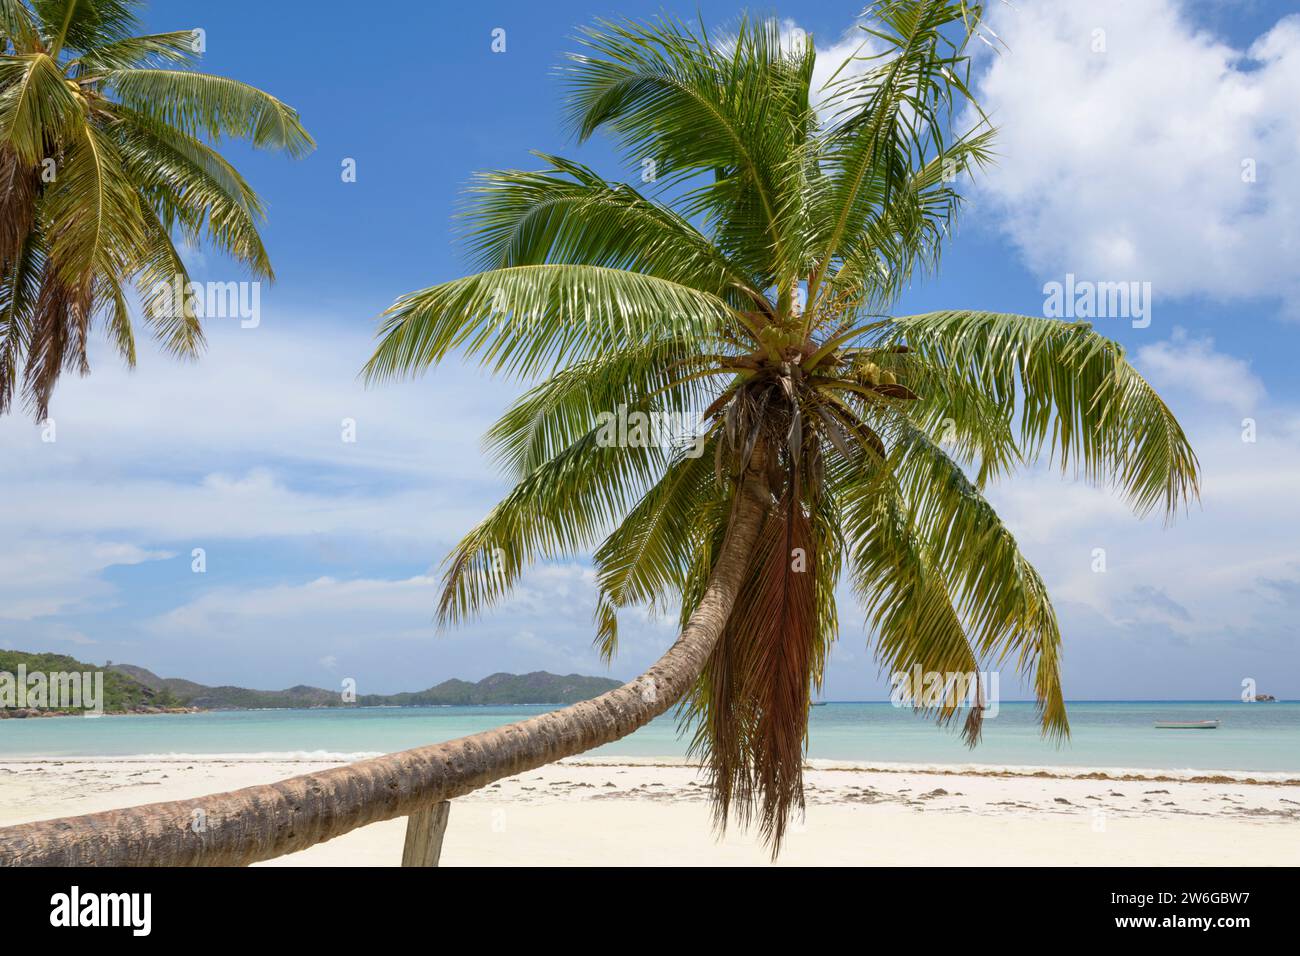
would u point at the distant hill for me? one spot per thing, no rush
(538, 687)
(122, 693)
(227, 697)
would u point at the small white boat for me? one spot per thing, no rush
(1187, 725)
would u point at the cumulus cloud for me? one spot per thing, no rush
(245, 445)
(1134, 145)
(1186, 364)
(53, 575)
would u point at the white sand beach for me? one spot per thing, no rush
(621, 811)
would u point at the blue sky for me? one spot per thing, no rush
(1123, 163)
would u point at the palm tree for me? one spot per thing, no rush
(105, 155)
(749, 289)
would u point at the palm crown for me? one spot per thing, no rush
(749, 290)
(104, 157)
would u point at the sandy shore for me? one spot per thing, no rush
(624, 812)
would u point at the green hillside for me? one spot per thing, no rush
(129, 688)
(122, 693)
(538, 687)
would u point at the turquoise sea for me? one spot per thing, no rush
(1260, 736)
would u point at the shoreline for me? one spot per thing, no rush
(656, 811)
(821, 764)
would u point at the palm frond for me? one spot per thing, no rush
(908, 602)
(17, 26)
(529, 319)
(190, 185)
(1079, 399)
(19, 289)
(80, 24)
(161, 275)
(646, 559)
(554, 414)
(892, 118)
(568, 214)
(151, 49)
(559, 509)
(37, 106)
(750, 708)
(737, 116)
(92, 212)
(1001, 600)
(200, 104)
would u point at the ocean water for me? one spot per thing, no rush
(1260, 737)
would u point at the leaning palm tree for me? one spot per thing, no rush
(750, 288)
(105, 157)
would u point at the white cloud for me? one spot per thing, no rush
(1185, 364)
(214, 612)
(243, 445)
(1128, 163)
(52, 575)
(275, 392)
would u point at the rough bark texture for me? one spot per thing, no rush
(260, 823)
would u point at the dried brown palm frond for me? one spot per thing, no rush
(755, 688)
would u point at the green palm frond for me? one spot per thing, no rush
(528, 319)
(200, 104)
(1079, 399)
(193, 189)
(906, 226)
(81, 24)
(570, 215)
(161, 271)
(37, 106)
(559, 509)
(106, 159)
(691, 108)
(17, 25)
(908, 602)
(645, 560)
(891, 119)
(120, 331)
(1001, 600)
(155, 48)
(92, 211)
(553, 415)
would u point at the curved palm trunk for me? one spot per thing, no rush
(259, 823)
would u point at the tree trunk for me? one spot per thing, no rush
(259, 823)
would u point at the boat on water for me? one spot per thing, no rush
(819, 703)
(1187, 725)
